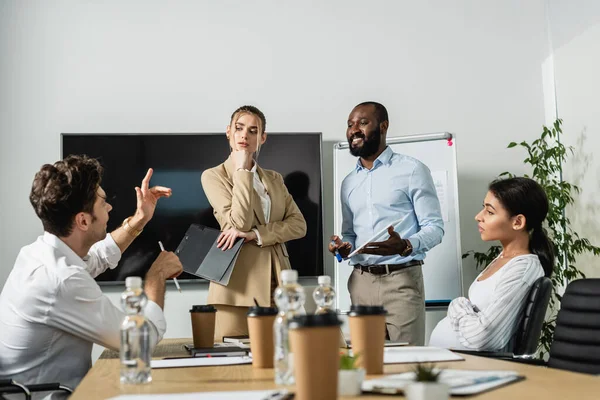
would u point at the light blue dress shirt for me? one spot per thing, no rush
(398, 187)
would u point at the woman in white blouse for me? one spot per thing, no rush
(250, 203)
(513, 212)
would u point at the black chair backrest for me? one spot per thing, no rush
(530, 330)
(576, 344)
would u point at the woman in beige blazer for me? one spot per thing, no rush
(250, 203)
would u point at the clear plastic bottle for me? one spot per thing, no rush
(135, 334)
(289, 298)
(324, 295)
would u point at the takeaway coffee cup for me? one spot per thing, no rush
(203, 326)
(314, 341)
(260, 328)
(367, 334)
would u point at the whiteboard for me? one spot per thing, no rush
(442, 271)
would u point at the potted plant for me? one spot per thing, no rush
(426, 385)
(350, 378)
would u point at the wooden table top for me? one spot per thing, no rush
(102, 381)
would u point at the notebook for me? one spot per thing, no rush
(200, 256)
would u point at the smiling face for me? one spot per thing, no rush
(495, 222)
(246, 133)
(364, 131)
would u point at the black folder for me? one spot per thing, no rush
(200, 256)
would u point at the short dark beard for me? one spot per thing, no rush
(370, 146)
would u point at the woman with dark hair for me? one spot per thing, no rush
(513, 212)
(250, 203)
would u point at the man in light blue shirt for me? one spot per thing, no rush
(387, 189)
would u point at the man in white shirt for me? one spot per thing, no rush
(51, 309)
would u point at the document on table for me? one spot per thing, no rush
(199, 362)
(246, 395)
(413, 354)
(460, 382)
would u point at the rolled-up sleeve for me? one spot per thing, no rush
(103, 255)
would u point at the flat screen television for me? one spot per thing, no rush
(178, 161)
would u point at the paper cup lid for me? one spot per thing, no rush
(262, 311)
(360, 310)
(314, 321)
(203, 308)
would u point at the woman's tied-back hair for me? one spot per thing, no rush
(250, 110)
(525, 196)
(62, 190)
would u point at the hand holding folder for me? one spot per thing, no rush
(200, 255)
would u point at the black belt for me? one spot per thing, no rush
(381, 269)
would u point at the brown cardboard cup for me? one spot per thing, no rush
(314, 340)
(260, 329)
(203, 326)
(367, 335)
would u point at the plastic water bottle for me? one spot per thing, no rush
(289, 298)
(135, 334)
(324, 295)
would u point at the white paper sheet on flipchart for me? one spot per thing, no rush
(199, 362)
(246, 395)
(413, 354)
(378, 236)
(440, 180)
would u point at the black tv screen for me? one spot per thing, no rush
(178, 161)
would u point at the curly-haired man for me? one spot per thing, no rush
(51, 309)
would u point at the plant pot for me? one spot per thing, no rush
(350, 381)
(426, 391)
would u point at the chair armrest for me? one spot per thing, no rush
(489, 354)
(47, 387)
(10, 386)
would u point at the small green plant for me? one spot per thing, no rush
(426, 373)
(347, 361)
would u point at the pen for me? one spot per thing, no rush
(162, 248)
(338, 256)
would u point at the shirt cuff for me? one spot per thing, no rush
(258, 238)
(155, 314)
(415, 242)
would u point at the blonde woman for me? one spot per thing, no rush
(250, 203)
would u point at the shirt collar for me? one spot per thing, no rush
(54, 241)
(384, 158)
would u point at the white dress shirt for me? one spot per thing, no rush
(265, 200)
(52, 311)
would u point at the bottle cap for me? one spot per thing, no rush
(324, 280)
(133, 282)
(289, 275)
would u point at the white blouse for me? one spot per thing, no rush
(265, 201)
(490, 317)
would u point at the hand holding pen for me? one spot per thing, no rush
(162, 248)
(340, 249)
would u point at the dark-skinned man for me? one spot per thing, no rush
(387, 189)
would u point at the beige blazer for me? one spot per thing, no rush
(237, 205)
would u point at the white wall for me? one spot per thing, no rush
(575, 35)
(471, 68)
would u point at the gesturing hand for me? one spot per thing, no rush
(148, 197)
(392, 246)
(228, 237)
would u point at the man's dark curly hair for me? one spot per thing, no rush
(62, 190)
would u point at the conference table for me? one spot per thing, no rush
(102, 381)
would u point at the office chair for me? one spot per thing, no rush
(576, 343)
(9, 386)
(530, 328)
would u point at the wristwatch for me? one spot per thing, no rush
(408, 249)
